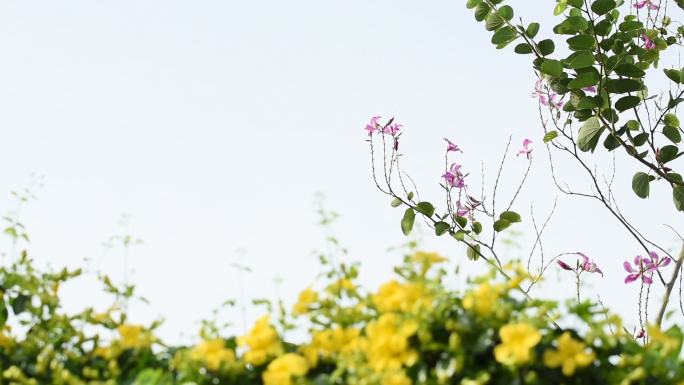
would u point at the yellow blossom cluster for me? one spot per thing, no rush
(262, 342)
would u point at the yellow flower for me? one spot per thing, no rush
(133, 336)
(482, 300)
(388, 340)
(571, 354)
(212, 353)
(281, 370)
(263, 342)
(306, 298)
(516, 342)
(426, 260)
(658, 338)
(396, 378)
(407, 297)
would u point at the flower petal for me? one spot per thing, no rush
(631, 278)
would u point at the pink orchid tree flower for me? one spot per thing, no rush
(646, 3)
(546, 98)
(648, 43)
(526, 150)
(452, 146)
(393, 129)
(373, 125)
(644, 267)
(589, 89)
(586, 265)
(454, 177)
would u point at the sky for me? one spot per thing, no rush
(212, 125)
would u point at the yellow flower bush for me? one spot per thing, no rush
(395, 296)
(517, 341)
(306, 299)
(388, 342)
(262, 342)
(569, 355)
(283, 369)
(213, 353)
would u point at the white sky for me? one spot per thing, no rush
(214, 123)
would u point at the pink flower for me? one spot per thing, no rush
(644, 267)
(373, 125)
(564, 265)
(392, 129)
(462, 210)
(526, 148)
(646, 3)
(454, 177)
(586, 265)
(589, 89)
(452, 146)
(648, 43)
(545, 97)
(589, 266)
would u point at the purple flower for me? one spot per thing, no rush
(454, 177)
(589, 266)
(586, 265)
(589, 89)
(544, 97)
(646, 3)
(564, 265)
(373, 125)
(452, 146)
(644, 267)
(526, 148)
(648, 43)
(392, 129)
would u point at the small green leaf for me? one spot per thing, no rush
(559, 8)
(589, 134)
(549, 136)
(410, 195)
(552, 67)
(501, 225)
(426, 208)
(671, 120)
(482, 11)
(640, 184)
(441, 228)
(611, 142)
(396, 202)
(601, 7)
(407, 221)
(473, 3)
(523, 49)
(627, 102)
(672, 133)
(581, 43)
(473, 252)
(673, 74)
(621, 86)
(504, 35)
(581, 60)
(459, 235)
(461, 221)
(506, 12)
(532, 30)
(629, 70)
(477, 227)
(510, 216)
(677, 196)
(546, 47)
(668, 153)
(585, 79)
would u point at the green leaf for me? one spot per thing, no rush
(510, 216)
(473, 252)
(585, 79)
(501, 225)
(671, 120)
(611, 142)
(461, 221)
(523, 49)
(396, 202)
(477, 227)
(532, 30)
(673, 74)
(473, 3)
(3, 312)
(426, 208)
(494, 22)
(630, 25)
(441, 228)
(581, 60)
(672, 133)
(668, 153)
(601, 7)
(410, 195)
(640, 184)
(629, 70)
(589, 134)
(546, 47)
(677, 196)
(506, 12)
(549, 136)
(559, 8)
(552, 67)
(459, 235)
(621, 86)
(504, 35)
(581, 43)
(640, 139)
(627, 102)
(482, 11)
(407, 221)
